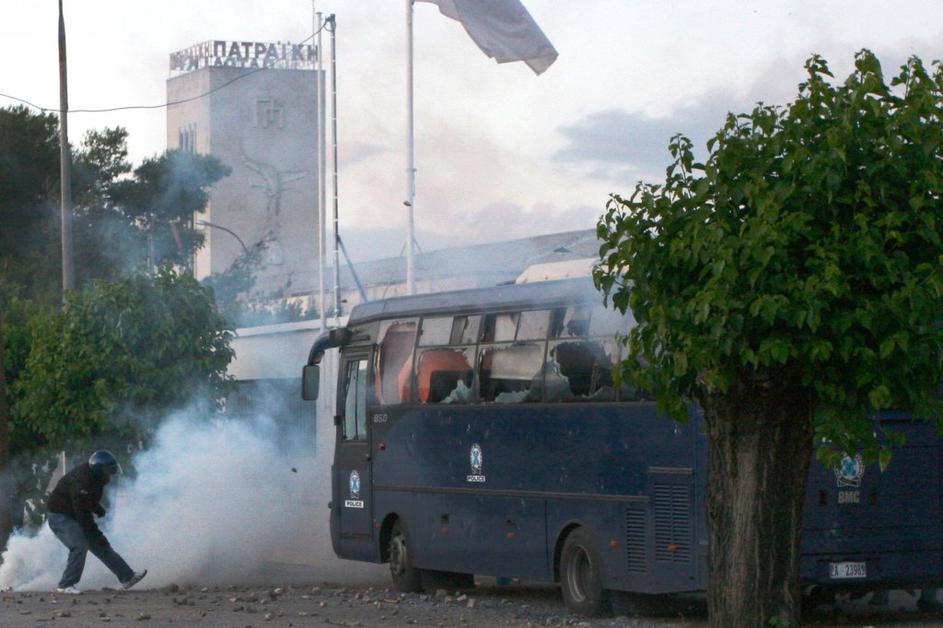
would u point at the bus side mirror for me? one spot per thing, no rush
(310, 381)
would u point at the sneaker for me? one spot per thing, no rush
(133, 580)
(68, 590)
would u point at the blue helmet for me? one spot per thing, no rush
(103, 462)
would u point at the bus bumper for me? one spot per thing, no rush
(876, 570)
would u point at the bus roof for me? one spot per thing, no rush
(508, 297)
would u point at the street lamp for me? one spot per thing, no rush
(207, 223)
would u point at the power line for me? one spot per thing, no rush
(160, 106)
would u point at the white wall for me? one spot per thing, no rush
(280, 352)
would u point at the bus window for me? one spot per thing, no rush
(511, 373)
(445, 375)
(606, 322)
(533, 325)
(500, 327)
(581, 370)
(394, 362)
(573, 322)
(435, 331)
(465, 330)
(355, 401)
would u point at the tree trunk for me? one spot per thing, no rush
(6, 499)
(760, 448)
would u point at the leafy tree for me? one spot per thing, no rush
(117, 213)
(231, 287)
(29, 176)
(163, 196)
(107, 243)
(792, 285)
(120, 354)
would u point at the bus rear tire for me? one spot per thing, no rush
(407, 578)
(581, 578)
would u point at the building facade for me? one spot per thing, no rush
(254, 106)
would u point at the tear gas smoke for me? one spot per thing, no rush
(219, 501)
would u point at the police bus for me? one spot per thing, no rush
(480, 432)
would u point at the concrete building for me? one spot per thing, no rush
(254, 106)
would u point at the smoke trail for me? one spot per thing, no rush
(213, 502)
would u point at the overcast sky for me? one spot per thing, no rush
(500, 152)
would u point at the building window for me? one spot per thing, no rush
(186, 138)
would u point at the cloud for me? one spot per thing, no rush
(617, 144)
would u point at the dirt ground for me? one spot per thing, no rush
(326, 604)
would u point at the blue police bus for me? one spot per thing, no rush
(480, 432)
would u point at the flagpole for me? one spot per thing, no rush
(320, 173)
(337, 267)
(410, 155)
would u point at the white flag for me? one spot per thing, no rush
(503, 29)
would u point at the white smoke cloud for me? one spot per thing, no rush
(213, 502)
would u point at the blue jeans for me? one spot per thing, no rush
(73, 536)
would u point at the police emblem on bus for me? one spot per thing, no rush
(475, 458)
(850, 471)
(354, 501)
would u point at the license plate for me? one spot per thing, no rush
(848, 570)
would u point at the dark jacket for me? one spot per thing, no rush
(77, 495)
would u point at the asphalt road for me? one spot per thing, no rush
(326, 604)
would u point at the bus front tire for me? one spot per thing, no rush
(407, 578)
(581, 578)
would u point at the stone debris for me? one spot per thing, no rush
(143, 617)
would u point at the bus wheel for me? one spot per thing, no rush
(580, 577)
(406, 577)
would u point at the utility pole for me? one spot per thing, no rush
(65, 167)
(6, 501)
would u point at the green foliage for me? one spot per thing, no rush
(232, 286)
(162, 198)
(806, 251)
(120, 354)
(120, 217)
(29, 175)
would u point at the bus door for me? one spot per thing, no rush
(352, 468)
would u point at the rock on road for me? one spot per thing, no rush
(325, 604)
